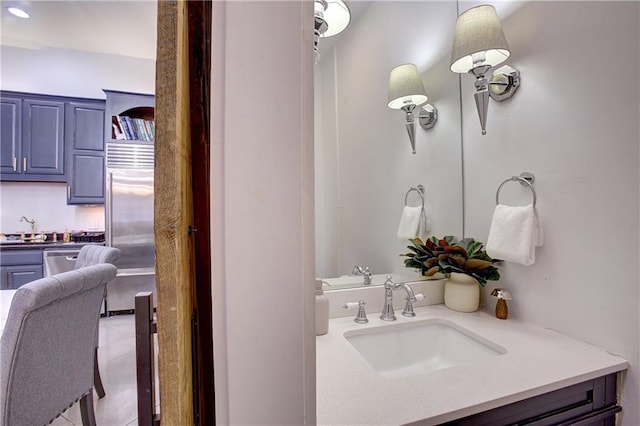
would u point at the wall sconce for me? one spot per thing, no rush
(406, 92)
(331, 18)
(479, 44)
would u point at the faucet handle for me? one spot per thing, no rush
(361, 316)
(408, 307)
(367, 276)
(389, 282)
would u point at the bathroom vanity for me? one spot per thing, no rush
(443, 366)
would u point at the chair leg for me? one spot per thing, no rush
(97, 380)
(86, 410)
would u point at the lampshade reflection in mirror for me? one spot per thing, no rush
(406, 92)
(478, 45)
(331, 18)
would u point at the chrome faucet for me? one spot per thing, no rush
(33, 224)
(388, 314)
(359, 270)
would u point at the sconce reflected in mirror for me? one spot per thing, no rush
(479, 44)
(406, 92)
(331, 18)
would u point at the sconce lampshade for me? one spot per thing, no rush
(337, 16)
(405, 87)
(478, 30)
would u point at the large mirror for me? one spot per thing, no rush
(364, 165)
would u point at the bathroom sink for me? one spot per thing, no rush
(411, 348)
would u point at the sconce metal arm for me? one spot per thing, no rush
(410, 125)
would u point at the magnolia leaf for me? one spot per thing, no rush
(465, 242)
(432, 271)
(430, 262)
(477, 264)
(480, 279)
(456, 250)
(494, 274)
(481, 255)
(447, 267)
(460, 260)
(450, 239)
(474, 247)
(419, 248)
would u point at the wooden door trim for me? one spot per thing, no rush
(199, 20)
(173, 214)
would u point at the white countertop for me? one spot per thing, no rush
(350, 392)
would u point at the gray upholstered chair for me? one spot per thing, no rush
(94, 255)
(47, 347)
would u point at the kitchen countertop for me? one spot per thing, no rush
(13, 245)
(537, 361)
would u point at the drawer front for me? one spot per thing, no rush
(20, 257)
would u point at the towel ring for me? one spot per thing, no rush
(419, 189)
(525, 178)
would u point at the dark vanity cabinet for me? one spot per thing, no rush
(32, 133)
(85, 146)
(18, 267)
(590, 403)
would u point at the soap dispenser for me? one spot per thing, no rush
(322, 310)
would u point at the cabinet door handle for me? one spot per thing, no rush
(68, 192)
(15, 164)
(6, 280)
(24, 164)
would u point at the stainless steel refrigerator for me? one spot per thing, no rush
(129, 221)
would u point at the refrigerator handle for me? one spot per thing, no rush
(109, 209)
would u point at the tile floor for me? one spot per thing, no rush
(117, 360)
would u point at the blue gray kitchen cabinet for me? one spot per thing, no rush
(38, 151)
(10, 134)
(85, 145)
(16, 276)
(18, 267)
(43, 138)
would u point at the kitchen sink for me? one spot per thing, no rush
(411, 348)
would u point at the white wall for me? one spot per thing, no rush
(262, 212)
(68, 72)
(574, 124)
(46, 203)
(62, 72)
(364, 164)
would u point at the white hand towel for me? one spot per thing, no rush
(424, 226)
(409, 222)
(515, 232)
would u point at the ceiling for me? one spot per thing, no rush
(115, 27)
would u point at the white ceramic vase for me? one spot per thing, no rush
(462, 293)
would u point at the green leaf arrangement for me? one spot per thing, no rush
(448, 255)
